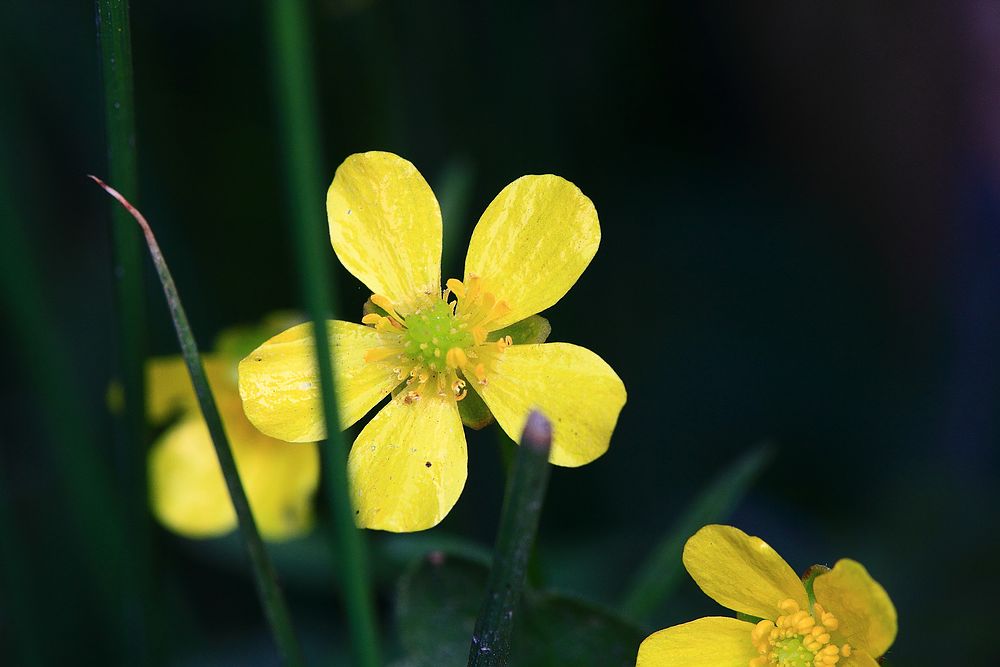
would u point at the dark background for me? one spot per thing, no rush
(799, 205)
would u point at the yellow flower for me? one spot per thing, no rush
(187, 491)
(848, 621)
(408, 465)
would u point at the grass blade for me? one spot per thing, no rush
(661, 573)
(115, 41)
(522, 506)
(297, 106)
(270, 593)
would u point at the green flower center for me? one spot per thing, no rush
(431, 332)
(791, 653)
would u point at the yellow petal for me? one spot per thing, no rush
(866, 614)
(741, 572)
(168, 385)
(707, 642)
(279, 382)
(532, 244)
(280, 478)
(858, 659)
(385, 226)
(408, 465)
(188, 492)
(573, 387)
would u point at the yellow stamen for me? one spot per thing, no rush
(456, 358)
(385, 304)
(797, 638)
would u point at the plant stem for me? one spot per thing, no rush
(522, 507)
(656, 579)
(114, 37)
(297, 106)
(270, 593)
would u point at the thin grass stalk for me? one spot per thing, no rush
(522, 507)
(115, 42)
(659, 575)
(272, 599)
(293, 72)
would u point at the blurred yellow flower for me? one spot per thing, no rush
(847, 620)
(408, 466)
(187, 491)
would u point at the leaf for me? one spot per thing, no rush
(530, 330)
(562, 630)
(436, 607)
(440, 596)
(474, 412)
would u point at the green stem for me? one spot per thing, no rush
(660, 574)
(114, 37)
(270, 593)
(297, 105)
(522, 507)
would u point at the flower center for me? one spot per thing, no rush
(441, 345)
(431, 332)
(797, 638)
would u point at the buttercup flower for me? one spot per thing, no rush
(187, 491)
(431, 348)
(847, 619)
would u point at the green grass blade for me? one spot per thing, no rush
(522, 507)
(270, 593)
(297, 106)
(660, 574)
(114, 38)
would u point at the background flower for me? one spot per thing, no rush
(187, 490)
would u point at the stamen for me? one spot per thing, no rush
(456, 358)
(385, 304)
(797, 638)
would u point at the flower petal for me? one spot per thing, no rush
(573, 387)
(385, 226)
(408, 466)
(741, 572)
(169, 389)
(532, 244)
(187, 491)
(279, 381)
(858, 659)
(866, 614)
(280, 478)
(189, 494)
(714, 641)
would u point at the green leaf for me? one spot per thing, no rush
(533, 329)
(436, 607)
(561, 630)
(474, 412)
(440, 596)
(661, 572)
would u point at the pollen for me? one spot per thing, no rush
(438, 348)
(797, 638)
